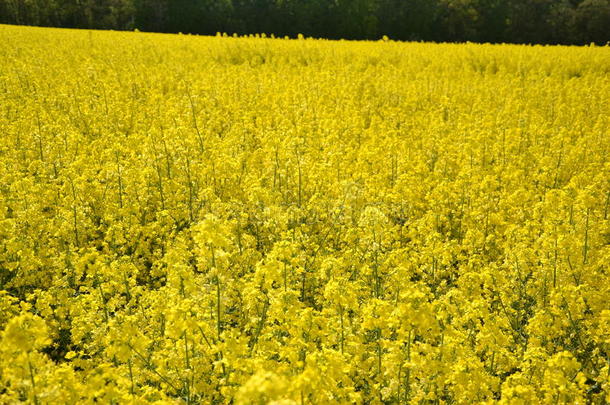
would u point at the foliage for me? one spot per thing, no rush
(512, 21)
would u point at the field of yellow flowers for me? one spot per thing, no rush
(213, 220)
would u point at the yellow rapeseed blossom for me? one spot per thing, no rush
(223, 220)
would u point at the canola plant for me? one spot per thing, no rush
(217, 220)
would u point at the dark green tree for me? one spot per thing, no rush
(592, 21)
(517, 21)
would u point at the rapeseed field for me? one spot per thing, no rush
(217, 220)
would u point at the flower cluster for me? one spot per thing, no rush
(261, 221)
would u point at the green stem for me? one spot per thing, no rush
(218, 325)
(31, 369)
(133, 391)
(585, 248)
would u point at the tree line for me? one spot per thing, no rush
(514, 21)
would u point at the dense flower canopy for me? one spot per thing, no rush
(251, 221)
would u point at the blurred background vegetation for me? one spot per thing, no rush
(515, 21)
